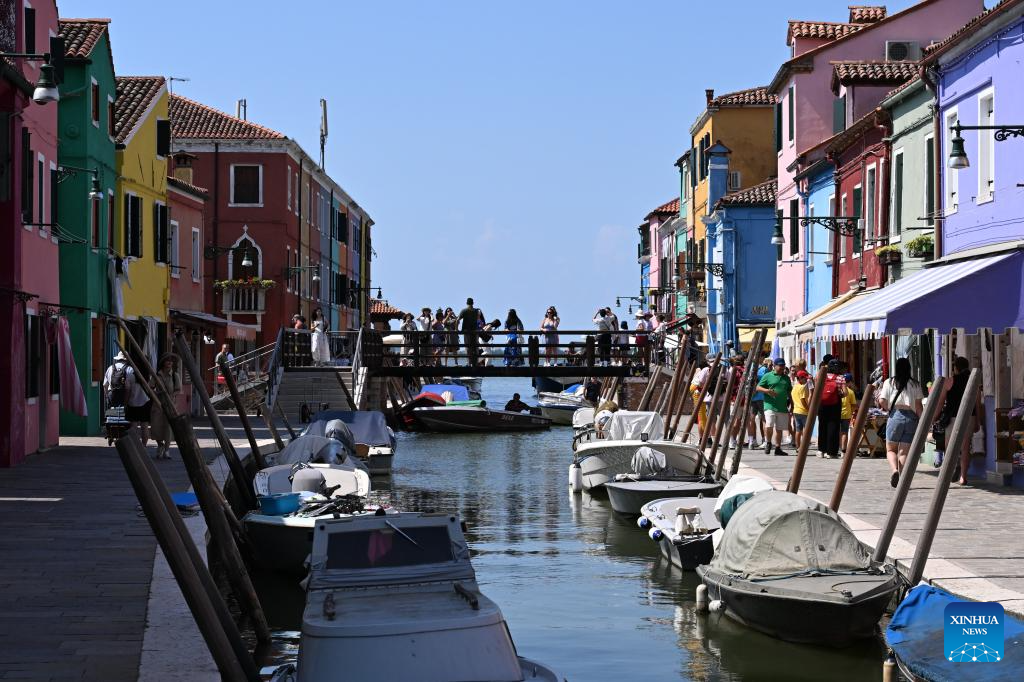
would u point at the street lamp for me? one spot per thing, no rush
(841, 224)
(293, 270)
(958, 155)
(53, 61)
(212, 251)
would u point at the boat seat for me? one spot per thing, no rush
(310, 480)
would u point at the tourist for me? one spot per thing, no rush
(776, 388)
(320, 346)
(516, 405)
(226, 356)
(123, 390)
(901, 397)
(831, 409)
(604, 335)
(451, 326)
(549, 325)
(424, 321)
(592, 390)
(705, 376)
(438, 337)
(298, 322)
(622, 343)
(642, 334)
(757, 413)
(408, 330)
(849, 406)
(513, 346)
(800, 397)
(167, 376)
(487, 337)
(954, 398)
(469, 319)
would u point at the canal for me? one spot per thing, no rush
(583, 589)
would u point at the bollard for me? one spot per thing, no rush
(702, 598)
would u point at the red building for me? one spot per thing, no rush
(271, 213)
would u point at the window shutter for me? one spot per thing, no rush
(126, 225)
(5, 156)
(929, 181)
(778, 126)
(53, 197)
(778, 247)
(156, 233)
(27, 176)
(794, 227)
(30, 30)
(858, 194)
(839, 114)
(897, 213)
(790, 111)
(163, 138)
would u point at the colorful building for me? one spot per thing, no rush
(661, 224)
(86, 153)
(29, 289)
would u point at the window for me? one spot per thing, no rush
(196, 259)
(110, 116)
(163, 137)
(160, 232)
(95, 205)
(794, 227)
(41, 190)
(298, 199)
(778, 247)
(831, 241)
(246, 185)
(842, 238)
(810, 239)
(54, 371)
(791, 104)
(27, 182)
(858, 211)
(53, 194)
(31, 356)
(897, 194)
(30, 29)
(839, 114)
(110, 220)
(929, 180)
(952, 176)
(870, 203)
(778, 126)
(172, 238)
(289, 188)
(132, 225)
(94, 103)
(986, 147)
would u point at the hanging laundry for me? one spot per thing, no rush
(72, 397)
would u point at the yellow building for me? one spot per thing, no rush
(744, 122)
(143, 240)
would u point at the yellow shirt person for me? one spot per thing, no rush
(849, 402)
(799, 397)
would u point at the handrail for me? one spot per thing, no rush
(358, 371)
(274, 372)
(246, 357)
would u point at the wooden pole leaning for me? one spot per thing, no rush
(713, 407)
(954, 444)
(805, 439)
(748, 398)
(852, 441)
(700, 398)
(742, 407)
(236, 398)
(645, 400)
(724, 417)
(284, 418)
(674, 384)
(684, 395)
(924, 426)
(233, 660)
(269, 420)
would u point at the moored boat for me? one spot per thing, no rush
(374, 440)
(651, 478)
(558, 384)
(454, 418)
(558, 414)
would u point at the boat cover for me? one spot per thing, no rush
(916, 631)
(739, 485)
(776, 533)
(302, 449)
(628, 425)
(333, 428)
(583, 417)
(368, 428)
(458, 391)
(648, 462)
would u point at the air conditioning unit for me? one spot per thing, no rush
(734, 180)
(902, 51)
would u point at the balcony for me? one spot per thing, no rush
(643, 254)
(244, 299)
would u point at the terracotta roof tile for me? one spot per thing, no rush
(383, 308)
(81, 35)
(748, 97)
(187, 186)
(824, 30)
(968, 28)
(762, 194)
(192, 120)
(896, 91)
(866, 14)
(668, 208)
(872, 73)
(134, 95)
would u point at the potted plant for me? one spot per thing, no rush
(247, 282)
(889, 254)
(922, 247)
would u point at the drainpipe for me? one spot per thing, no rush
(930, 81)
(216, 209)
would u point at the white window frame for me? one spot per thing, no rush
(831, 234)
(99, 113)
(110, 101)
(841, 237)
(172, 247)
(288, 263)
(986, 171)
(871, 226)
(857, 254)
(930, 140)
(232, 202)
(951, 186)
(791, 120)
(197, 255)
(298, 188)
(893, 236)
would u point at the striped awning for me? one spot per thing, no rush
(984, 293)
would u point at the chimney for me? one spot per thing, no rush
(710, 95)
(241, 110)
(183, 167)
(718, 172)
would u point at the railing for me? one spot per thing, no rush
(297, 348)
(274, 372)
(248, 367)
(244, 300)
(359, 373)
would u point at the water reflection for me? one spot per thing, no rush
(583, 589)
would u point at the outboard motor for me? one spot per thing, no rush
(309, 479)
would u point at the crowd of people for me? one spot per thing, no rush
(780, 403)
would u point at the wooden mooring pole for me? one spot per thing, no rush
(805, 440)
(684, 388)
(700, 398)
(741, 409)
(852, 441)
(236, 398)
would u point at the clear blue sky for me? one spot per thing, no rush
(506, 150)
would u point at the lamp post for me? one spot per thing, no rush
(212, 251)
(294, 270)
(49, 72)
(958, 155)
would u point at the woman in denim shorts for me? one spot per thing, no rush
(901, 396)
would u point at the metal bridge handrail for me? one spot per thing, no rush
(248, 357)
(358, 373)
(275, 371)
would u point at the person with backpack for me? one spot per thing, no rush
(123, 390)
(831, 410)
(901, 397)
(954, 397)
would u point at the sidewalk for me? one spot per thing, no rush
(978, 551)
(78, 562)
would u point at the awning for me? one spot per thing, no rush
(806, 323)
(746, 335)
(233, 330)
(985, 293)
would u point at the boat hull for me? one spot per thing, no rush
(477, 419)
(629, 497)
(561, 415)
(279, 545)
(805, 609)
(685, 551)
(555, 384)
(602, 460)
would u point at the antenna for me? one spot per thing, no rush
(241, 110)
(323, 129)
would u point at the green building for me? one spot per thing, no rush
(87, 250)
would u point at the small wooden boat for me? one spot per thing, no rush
(479, 419)
(789, 567)
(683, 528)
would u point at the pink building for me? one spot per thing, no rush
(809, 113)
(661, 224)
(29, 285)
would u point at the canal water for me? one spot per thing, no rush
(583, 589)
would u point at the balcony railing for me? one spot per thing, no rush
(244, 300)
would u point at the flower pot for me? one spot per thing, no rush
(890, 257)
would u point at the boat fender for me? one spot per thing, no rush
(889, 668)
(716, 605)
(643, 522)
(655, 534)
(702, 598)
(575, 477)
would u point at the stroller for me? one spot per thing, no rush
(513, 353)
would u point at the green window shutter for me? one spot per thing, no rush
(794, 227)
(27, 175)
(929, 181)
(163, 138)
(858, 194)
(839, 114)
(897, 213)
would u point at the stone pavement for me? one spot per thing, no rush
(978, 552)
(78, 561)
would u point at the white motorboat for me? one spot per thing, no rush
(396, 598)
(611, 452)
(453, 418)
(557, 413)
(374, 440)
(651, 478)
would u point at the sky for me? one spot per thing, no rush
(506, 150)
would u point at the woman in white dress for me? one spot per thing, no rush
(321, 348)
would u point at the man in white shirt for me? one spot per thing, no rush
(603, 322)
(136, 401)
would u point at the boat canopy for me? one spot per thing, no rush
(333, 428)
(745, 486)
(305, 449)
(776, 533)
(627, 425)
(367, 428)
(583, 417)
(458, 391)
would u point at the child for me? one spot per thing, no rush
(799, 397)
(849, 403)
